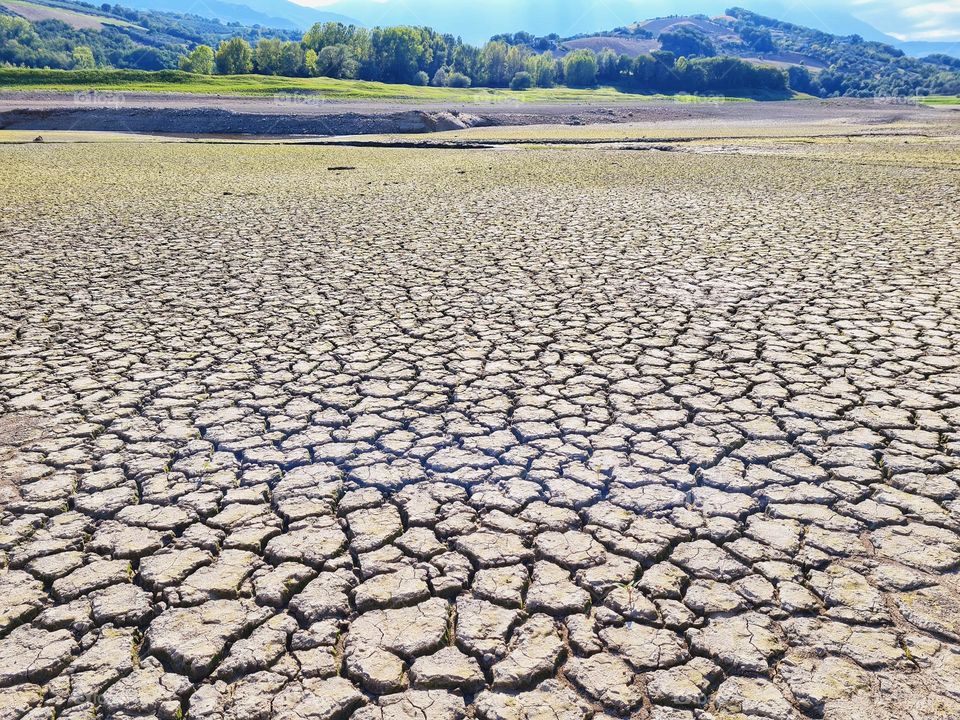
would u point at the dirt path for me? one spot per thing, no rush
(214, 114)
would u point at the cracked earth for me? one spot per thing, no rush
(534, 433)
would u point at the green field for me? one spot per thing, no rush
(941, 100)
(174, 81)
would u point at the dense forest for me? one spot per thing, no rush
(688, 59)
(420, 56)
(854, 67)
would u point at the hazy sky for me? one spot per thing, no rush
(911, 20)
(904, 19)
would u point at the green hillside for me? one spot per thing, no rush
(818, 63)
(46, 33)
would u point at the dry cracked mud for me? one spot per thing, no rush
(507, 434)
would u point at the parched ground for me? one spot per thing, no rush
(520, 433)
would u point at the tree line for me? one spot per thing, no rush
(422, 56)
(854, 67)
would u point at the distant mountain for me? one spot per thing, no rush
(268, 13)
(839, 22)
(477, 22)
(833, 21)
(225, 12)
(922, 48)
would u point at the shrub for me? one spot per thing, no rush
(421, 78)
(458, 80)
(200, 61)
(83, 58)
(521, 81)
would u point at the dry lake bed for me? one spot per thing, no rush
(554, 423)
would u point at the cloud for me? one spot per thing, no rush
(908, 20)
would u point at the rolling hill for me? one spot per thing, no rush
(819, 63)
(77, 20)
(721, 30)
(44, 33)
(476, 22)
(269, 13)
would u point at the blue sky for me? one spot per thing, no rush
(904, 19)
(910, 20)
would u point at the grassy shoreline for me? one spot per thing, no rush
(324, 89)
(174, 81)
(941, 100)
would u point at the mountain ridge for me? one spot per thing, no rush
(280, 14)
(532, 16)
(542, 17)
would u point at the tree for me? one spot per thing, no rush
(580, 68)
(559, 71)
(17, 30)
(687, 41)
(726, 74)
(143, 58)
(268, 56)
(522, 81)
(355, 39)
(516, 60)
(543, 69)
(397, 54)
(337, 61)
(945, 60)
(421, 78)
(234, 57)
(440, 78)
(466, 60)
(200, 61)
(688, 75)
(310, 62)
(292, 59)
(608, 66)
(439, 48)
(500, 62)
(83, 58)
(759, 39)
(320, 35)
(493, 61)
(662, 76)
(800, 79)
